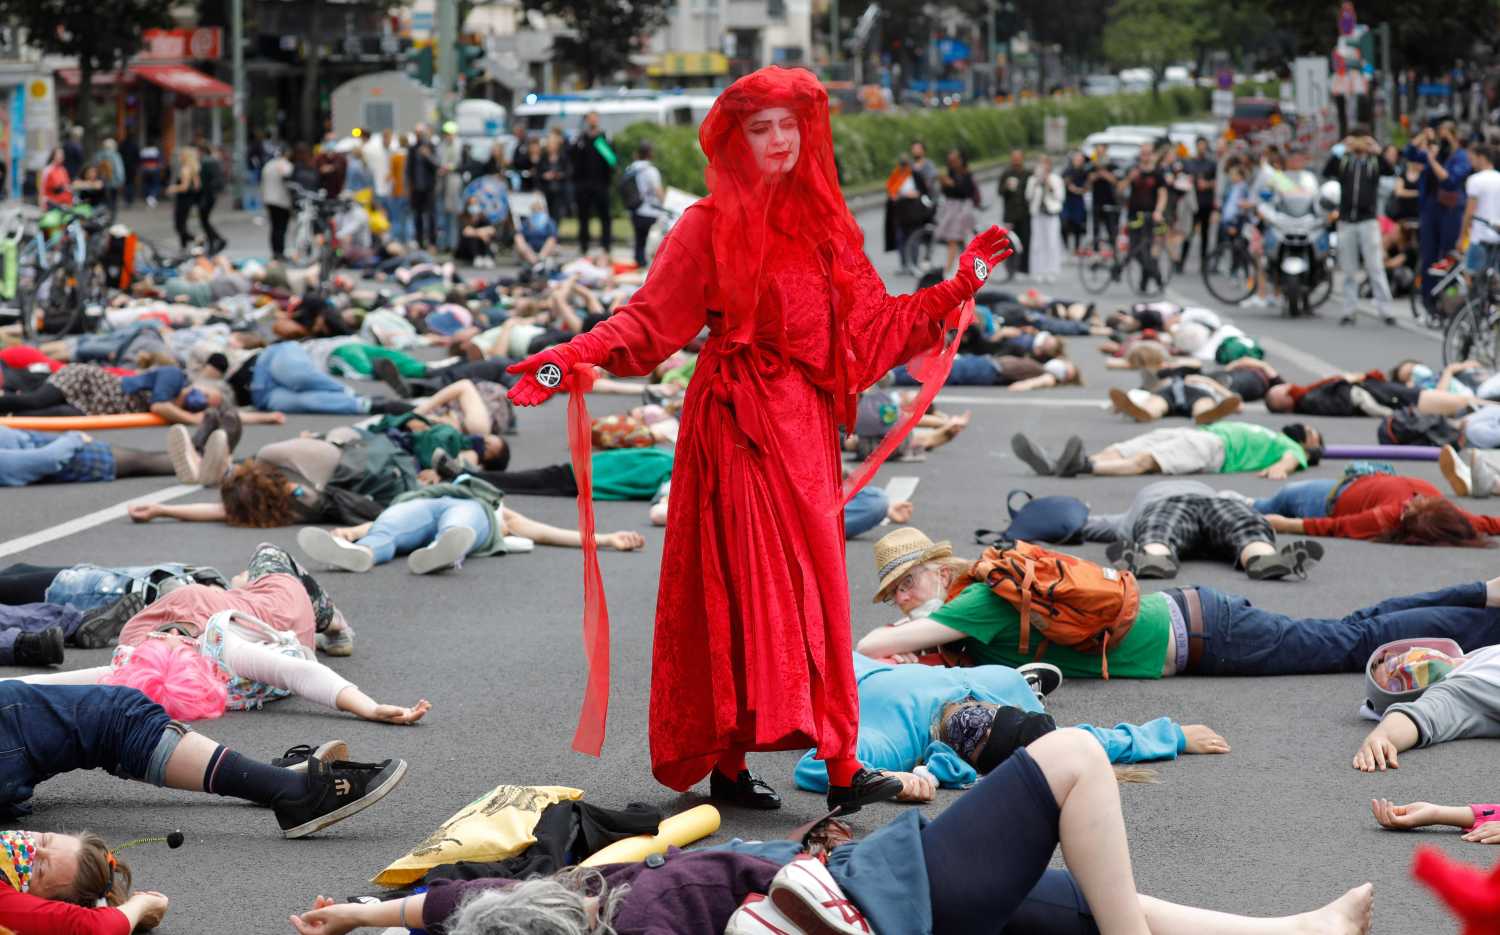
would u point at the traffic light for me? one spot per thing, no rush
(419, 63)
(471, 67)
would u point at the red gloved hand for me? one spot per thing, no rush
(543, 374)
(985, 252)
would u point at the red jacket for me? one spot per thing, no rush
(25, 914)
(1372, 505)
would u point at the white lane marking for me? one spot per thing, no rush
(90, 520)
(898, 489)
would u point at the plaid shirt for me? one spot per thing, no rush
(92, 462)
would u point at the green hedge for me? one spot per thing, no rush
(869, 144)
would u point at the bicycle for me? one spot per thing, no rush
(313, 235)
(1440, 291)
(71, 281)
(1231, 273)
(1473, 331)
(1098, 272)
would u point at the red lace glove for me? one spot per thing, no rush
(979, 259)
(543, 375)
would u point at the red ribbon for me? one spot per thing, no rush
(589, 737)
(932, 371)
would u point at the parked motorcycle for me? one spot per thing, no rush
(1295, 219)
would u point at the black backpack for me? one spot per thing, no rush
(630, 189)
(1410, 427)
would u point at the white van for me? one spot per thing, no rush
(615, 113)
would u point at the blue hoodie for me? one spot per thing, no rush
(898, 703)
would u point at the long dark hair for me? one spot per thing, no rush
(1434, 521)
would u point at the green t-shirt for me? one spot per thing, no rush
(1253, 447)
(993, 626)
(630, 473)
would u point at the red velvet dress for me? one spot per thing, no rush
(753, 644)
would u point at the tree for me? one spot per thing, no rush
(1429, 37)
(101, 34)
(605, 32)
(1151, 34)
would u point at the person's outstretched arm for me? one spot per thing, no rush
(543, 534)
(186, 512)
(1481, 823)
(1395, 734)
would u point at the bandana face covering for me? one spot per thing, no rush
(18, 849)
(966, 728)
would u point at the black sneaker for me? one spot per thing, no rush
(42, 648)
(386, 371)
(385, 406)
(1151, 565)
(102, 625)
(295, 759)
(1073, 461)
(336, 791)
(1032, 454)
(745, 790)
(868, 787)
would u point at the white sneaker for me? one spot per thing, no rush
(757, 916)
(446, 551)
(323, 546)
(1255, 301)
(516, 545)
(1482, 483)
(215, 458)
(185, 461)
(1455, 471)
(806, 893)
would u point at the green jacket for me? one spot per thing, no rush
(469, 487)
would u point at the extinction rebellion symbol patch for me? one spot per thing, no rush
(550, 375)
(981, 269)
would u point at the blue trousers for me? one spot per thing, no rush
(32, 618)
(412, 524)
(50, 729)
(1243, 640)
(1301, 499)
(286, 380)
(865, 511)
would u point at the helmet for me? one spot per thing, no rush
(1379, 697)
(1329, 195)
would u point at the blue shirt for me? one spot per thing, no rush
(163, 382)
(899, 703)
(536, 236)
(1231, 210)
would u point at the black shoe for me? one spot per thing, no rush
(1121, 554)
(1073, 461)
(745, 790)
(205, 428)
(1032, 454)
(446, 466)
(335, 791)
(381, 406)
(232, 424)
(296, 758)
(1268, 567)
(1148, 565)
(102, 625)
(1042, 677)
(868, 787)
(42, 648)
(386, 371)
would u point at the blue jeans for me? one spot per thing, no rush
(398, 212)
(968, 370)
(109, 346)
(50, 729)
(865, 511)
(412, 524)
(1301, 499)
(250, 193)
(1482, 429)
(1243, 640)
(286, 380)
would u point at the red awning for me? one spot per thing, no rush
(205, 90)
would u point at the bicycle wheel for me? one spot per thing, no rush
(56, 305)
(1230, 273)
(1471, 335)
(1096, 273)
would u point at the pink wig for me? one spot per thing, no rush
(188, 685)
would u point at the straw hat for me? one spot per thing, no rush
(900, 552)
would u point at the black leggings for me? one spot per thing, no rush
(27, 584)
(45, 400)
(491, 369)
(554, 480)
(971, 895)
(132, 462)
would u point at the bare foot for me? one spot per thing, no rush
(1202, 739)
(899, 512)
(950, 430)
(1350, 914)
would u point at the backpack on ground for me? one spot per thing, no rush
(630, 188)
(1410, 427)
(1058, 520)
(1072, 601)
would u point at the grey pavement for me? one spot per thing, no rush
(1280, 825)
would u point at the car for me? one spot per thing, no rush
(1141, 134)
(1254, 114)
(1119, 151)
(1187, 134)
(1100, 85)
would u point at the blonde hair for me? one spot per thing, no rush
(1147, 355)
(187, 159)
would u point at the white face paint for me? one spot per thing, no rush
(775, 139)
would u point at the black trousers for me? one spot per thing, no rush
(642, 224)
(205, 212)
(554, 480)
(280, 218)
(39, 401)
(182, 211)
(491, 369)
(27, 584)
(1105, 222)
(1022, 227)
(424, 217)
(594, 202)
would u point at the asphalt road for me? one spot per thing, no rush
(1280, 825)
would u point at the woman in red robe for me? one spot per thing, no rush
(753, 644)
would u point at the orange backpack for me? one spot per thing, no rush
(1072, 601)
